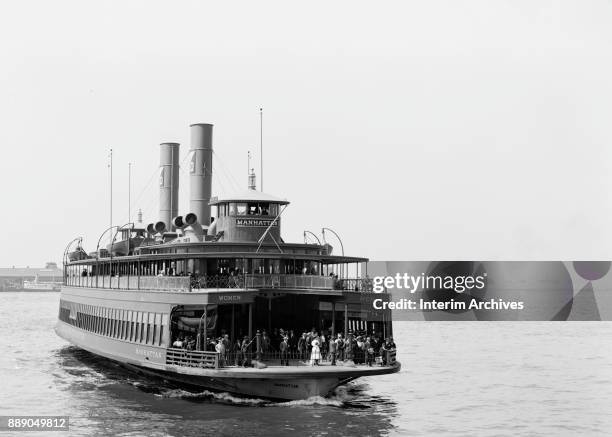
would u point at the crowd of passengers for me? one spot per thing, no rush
(310, 347)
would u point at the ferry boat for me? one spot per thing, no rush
(37, 285)
(206, 301)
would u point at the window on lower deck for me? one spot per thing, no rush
(150, 328)
(115, 324)
(123, 324)
(157, 325)
(164, 324)
(139, 326)
(136, 327)
(130, 325)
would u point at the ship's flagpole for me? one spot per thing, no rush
(261, 149)
(111, 188)
(129, 192)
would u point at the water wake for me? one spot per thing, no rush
(212, 396)
(338, 399)
(315, 400)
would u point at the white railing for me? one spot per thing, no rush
(186, 283)
(186, 358)
(289, 281)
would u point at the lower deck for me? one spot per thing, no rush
(267, 379)
(199, 319)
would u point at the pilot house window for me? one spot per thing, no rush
(258, 208)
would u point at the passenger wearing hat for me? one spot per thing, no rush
(301, 347)
(228, 345)
(349, 347)
(284, 349)
(315, 354)
(340, 344)
(238, 354)
(246, 354)
(333, 347)
(220, 349)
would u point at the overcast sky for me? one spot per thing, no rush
(417, 130)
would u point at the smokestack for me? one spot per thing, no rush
(168, 183)
(200, 171)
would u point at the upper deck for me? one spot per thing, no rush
(225, 241)
(183, 267)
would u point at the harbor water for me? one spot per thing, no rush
(462, 378)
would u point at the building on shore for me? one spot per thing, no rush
(14, 278)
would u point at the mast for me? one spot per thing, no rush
(261, 149)
(248, 167)
(129, 192)
(111, 190)
(170, 226)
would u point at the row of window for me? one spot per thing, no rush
(243, 208)
(135, 326)
(211, 267)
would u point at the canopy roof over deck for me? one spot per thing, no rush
(248, 196)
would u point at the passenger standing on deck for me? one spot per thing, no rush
(340, 343)
(359, 351)
(293, 340)
(301, 347)
(265, 342)
(244, 349)
(309, 339)
(284, 349)
(323, 344)
(238, 353)
(349, 348)
(383, 354)
(374, 343)
(333, 347)
(369, 350)
(228, 346)
(387, 346)
(190, 343)
(315, 354)
(220, 349)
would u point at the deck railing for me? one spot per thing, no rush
(187, 358)
(213, 360)
(169, 283)
(186, 283)
(218, 281)
(264, 281)
(289, 281)
(355, 284)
